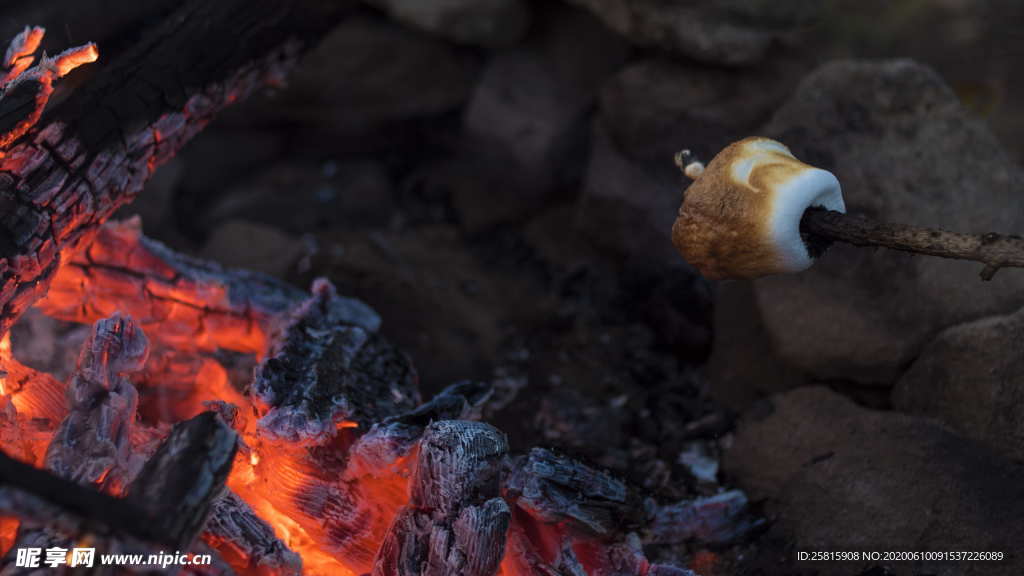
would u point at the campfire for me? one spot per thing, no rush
(188, 408)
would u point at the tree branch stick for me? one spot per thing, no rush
(995, 251)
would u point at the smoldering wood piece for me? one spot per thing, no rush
(93, 444)
(194, 302)
(717, 519)
(390, 441)
(158, 82)
(327, 365)
(49, 500)
(555, 490)
(455, 523)
(177, 484)
(235, 526)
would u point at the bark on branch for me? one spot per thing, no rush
(995, 251)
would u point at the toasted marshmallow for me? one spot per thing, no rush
(741, 216)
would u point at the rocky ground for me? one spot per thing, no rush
(495, 178)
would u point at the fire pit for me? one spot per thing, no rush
(192, 409)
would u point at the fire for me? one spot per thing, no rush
(72, 58)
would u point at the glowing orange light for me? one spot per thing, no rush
(72, 58)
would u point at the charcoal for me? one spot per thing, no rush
(234, 525)
(395, 437)
(554, 489)
(44, 499)
(328, 366)
(188, 471)
(455, 522)
(718, 519)
(93, 444)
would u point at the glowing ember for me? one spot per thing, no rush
(36, 83)
(327, 412)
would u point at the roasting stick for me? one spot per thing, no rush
(756, 210)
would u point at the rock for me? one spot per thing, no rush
(971, 377)
(253, 246)
(626, 208)
(723, 32)
(743, 367)
(841, 477)
(302, 197)
(366, 76)
(655, 107)
(526, 125)
(484, 22)
(904, 151)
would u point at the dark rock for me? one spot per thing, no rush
(723, 32)
(841, 477)
(366, 74)
(743, 366)
(485, 22)
(971, 376)
(655, 107)
(626, 208)
(526, 124)
(905, 151)
(301, 197)
(244, 244)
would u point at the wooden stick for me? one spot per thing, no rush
(995, 251)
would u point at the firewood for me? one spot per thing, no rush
(91, 154)
(178, 484)
(455, 522)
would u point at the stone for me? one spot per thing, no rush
(526, 125)
(723, 31)
(626, 208)
(302, 197)
(905, 151)
(253, 246)
(837, 476)
(971, 377)
(655, 107)
(483, 22)
(367, 74)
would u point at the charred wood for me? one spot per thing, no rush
(236, 531)
(177, 485)
(154, 90)
(197, 304)
(455, 522)
(392, 440)
(49, 500)
(93, 443)
(327, 367)
(556, 489)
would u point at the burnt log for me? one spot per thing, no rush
(455, 522)
(49, 500)
(244, 538)
(327, 367)
(196, 304)
(157, 85)
(187, 473)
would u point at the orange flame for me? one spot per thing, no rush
(72, 58)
